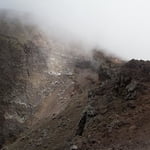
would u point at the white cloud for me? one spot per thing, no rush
(120, 26)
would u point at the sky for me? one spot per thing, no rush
(121, 27)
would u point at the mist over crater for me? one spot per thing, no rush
(116, 27)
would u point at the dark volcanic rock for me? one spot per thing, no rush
(19, 61)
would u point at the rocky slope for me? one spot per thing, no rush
(54, 97)
(109, 114)
(37, 76)
(21, 62)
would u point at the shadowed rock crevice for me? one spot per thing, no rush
(81, 125)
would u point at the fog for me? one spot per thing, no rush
(121, 27)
